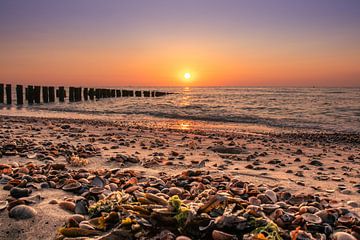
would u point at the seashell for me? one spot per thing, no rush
(20, 192)
(218, 235)
(254, 201)
(271, 195)
(72, 186)
(311, 218)
(98, 182)
(96, 190)
(269, 208)
(76, 217)
(156, 199)
(86, 225)
(346, 220)
(175, 191)
(183, 238)
(132, 189)
(31, 155)
(3, 205)
(22, 212)
(66, 205)
(342, 236)
(81, 207)
(78, 232)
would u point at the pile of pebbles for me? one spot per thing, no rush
(195, 204)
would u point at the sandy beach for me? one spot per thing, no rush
(322, 165)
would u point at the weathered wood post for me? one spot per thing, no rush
(152, 93)
(78, 94)
(45, 94)
(146, 93)
(37, 94)
(51, 94)
(26, 93)
(113, 93)
(71, 94)
(30, 94)
(19, 95)
(124, 93)
(138, 93)
(97, 93)
(86, 94)
(8, 94)
(1, 93)
(118, 93)
(131, 93)
(91, 93)
(61, 94)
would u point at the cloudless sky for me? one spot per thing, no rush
(154, 42)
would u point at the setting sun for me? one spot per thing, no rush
(187, 76)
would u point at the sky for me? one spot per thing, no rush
(154, 43)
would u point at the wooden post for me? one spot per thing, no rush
(146, 93)
(71, 94)
(91, 93)
(152, 93)
(86, 94)
(30, 94)
(118, 93)
(78, 94)
(19, 95)
(124, 93)
(113, 93)
(51, 94)
(108, 93)
(97, 93)
(131, 93)
(8, 94)
(37, 94)
(138, 93)
(1, 93)
(45, 94)
(61, 94)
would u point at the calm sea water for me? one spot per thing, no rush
(330, 109)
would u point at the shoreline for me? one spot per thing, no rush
(302, 163)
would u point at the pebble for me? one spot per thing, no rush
(22, 212)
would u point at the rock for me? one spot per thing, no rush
(22, 212)
(17, 192)
(53, 201)
(316, 163)
(226, 150)
(66, 205)
(44, 185)
(342, 236)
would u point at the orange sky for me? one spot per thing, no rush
(216, 54)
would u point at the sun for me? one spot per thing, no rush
(187, 76)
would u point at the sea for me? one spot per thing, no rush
(226, 108)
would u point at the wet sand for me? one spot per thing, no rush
(323, 164)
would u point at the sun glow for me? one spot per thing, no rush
(187, 76)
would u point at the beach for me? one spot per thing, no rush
(317, 164)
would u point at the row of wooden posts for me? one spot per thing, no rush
(76, 94)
